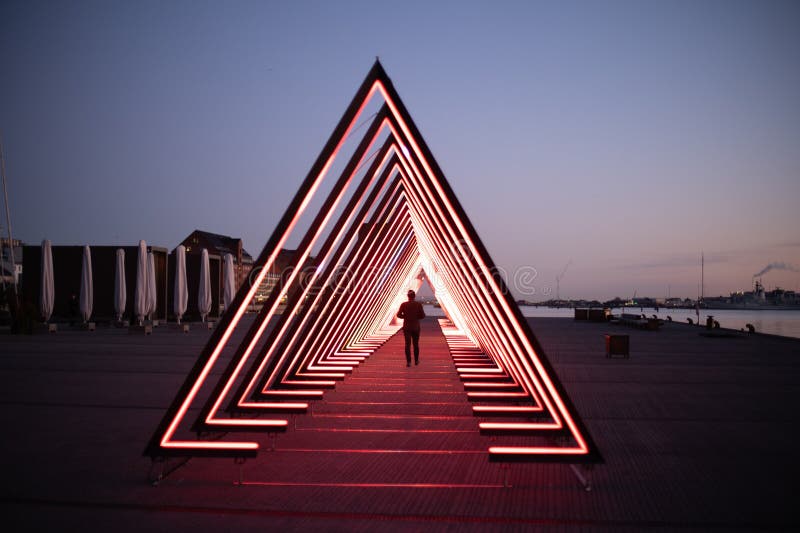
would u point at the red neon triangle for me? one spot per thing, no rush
(400, 221)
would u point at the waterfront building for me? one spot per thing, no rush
(10, 272)
(284, 263)
(219, 245)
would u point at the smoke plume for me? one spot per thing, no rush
(776, 266)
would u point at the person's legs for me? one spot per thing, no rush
(407, 335)
(415, 338)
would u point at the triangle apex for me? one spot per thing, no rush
(377, 68)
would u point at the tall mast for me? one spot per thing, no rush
(702, 274)
(558, 279)
(8, 218)
(2, 277)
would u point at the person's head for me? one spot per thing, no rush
(411, 294)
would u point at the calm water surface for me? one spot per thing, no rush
(786, 322)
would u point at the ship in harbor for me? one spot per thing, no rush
(758, 298)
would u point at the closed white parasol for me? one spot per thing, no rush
(140, 297)
(204, 291)
(87, 285)
(229, 283)
(47, 294)
(180, 293)
(152, 299)
(120, 289)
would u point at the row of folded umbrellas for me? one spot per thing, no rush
(145, 296)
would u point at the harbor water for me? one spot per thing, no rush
(784, 322)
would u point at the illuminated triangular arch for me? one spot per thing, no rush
(398, 221)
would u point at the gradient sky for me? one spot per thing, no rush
(619, 138)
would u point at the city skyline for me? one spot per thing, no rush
(606, 146)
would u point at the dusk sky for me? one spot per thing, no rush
(618, 138)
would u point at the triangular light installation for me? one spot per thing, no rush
(386, 220)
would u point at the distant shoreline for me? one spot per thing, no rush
(703, 307)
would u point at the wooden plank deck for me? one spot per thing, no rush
(698, 433)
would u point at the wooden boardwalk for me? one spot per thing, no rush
(387, 425)
(698, 433)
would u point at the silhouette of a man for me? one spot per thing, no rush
(411, 312)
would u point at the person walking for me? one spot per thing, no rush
(411, 312)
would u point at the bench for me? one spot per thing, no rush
(639, 321)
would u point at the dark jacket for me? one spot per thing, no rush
(411, 312)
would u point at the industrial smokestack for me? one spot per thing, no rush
(776, 266)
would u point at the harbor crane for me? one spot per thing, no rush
(558, 279)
